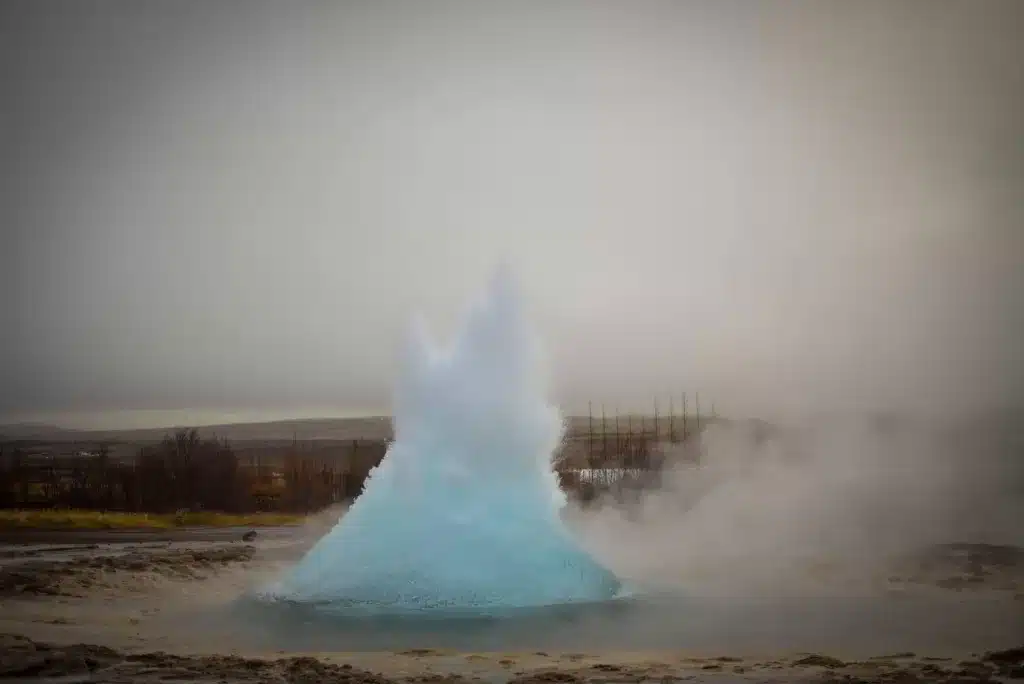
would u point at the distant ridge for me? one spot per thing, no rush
(302, 429)
(30, 430)
(274, 431)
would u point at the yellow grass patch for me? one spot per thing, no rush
(79, 519)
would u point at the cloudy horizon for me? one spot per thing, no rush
(235, 208)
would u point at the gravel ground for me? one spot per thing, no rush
(25, 659)
(142, 610)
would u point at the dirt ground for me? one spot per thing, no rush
(128, 611)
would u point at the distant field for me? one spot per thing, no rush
(284, 432)
(278, 431)
(99, 520)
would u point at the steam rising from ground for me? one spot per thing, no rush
(824, 508)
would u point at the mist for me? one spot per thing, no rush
(834, 508)
(235, 208)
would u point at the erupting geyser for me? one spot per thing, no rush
(463, 512)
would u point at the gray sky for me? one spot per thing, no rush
(236, 207)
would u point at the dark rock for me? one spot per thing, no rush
(1008, 663)
(817, 660)
(1009, 656)
(548, 677)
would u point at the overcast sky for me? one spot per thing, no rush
(234, 208)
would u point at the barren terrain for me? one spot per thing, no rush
(159, 609)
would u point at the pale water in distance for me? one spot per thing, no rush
(463, 512)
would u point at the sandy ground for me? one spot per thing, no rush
(141, 610)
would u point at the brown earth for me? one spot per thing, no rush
(24, 659)
(99, 613)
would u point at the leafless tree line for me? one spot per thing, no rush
(185, 471)
(620, 454)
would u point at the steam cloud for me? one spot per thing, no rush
(813, 509)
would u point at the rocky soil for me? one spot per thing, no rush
(91, 613)
(22, 659)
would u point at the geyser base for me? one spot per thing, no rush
(642, 622)
(367, 628)
(335, 609)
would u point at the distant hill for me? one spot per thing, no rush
(279, 431)
(40, 431)
(318, 429)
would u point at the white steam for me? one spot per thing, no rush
(816, 509)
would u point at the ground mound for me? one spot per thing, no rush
(23, 659)
(76, 576)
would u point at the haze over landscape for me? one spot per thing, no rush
(313, 312)
(214, 213)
